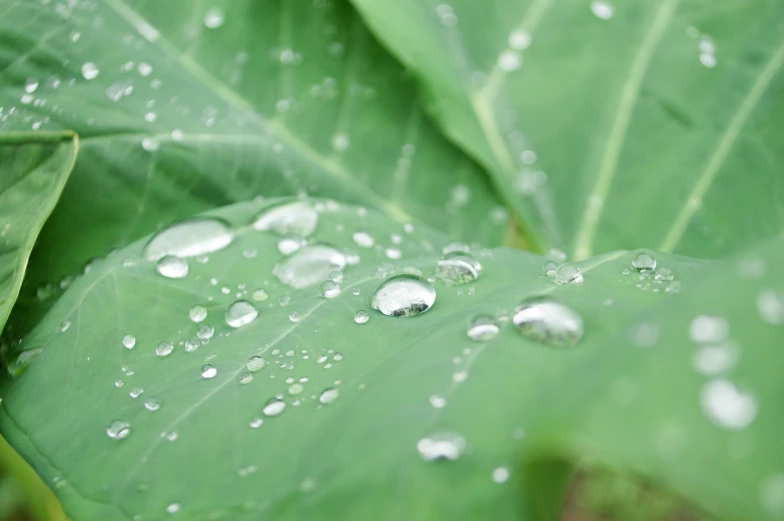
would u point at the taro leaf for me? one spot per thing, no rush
(610, 124)
(184, 106)
(354, 458)
(702, 418)
(33, 171)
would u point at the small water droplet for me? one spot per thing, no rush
(404, 296)
(328, 395)
(602, 9)
(298, 218)
(340, 142)
(129, 341)
(458, 268)
(330, 289)
(645, 334)
(509, 60)
(361, 316)
(256, 364)
(500, 475)
(65, 325)
(136, 392)
(172, 267)
(90, 70)
(549, 322)
(664, 274)
(568, 274)
(274, 407)
(260, 295)
(519, 40)
(208, 371)
(707, 329)
(153, 404)
(213, 18)
(255, 423)
(726, 405)
(173, 508)
(246, 378)
(205, 332)
(483, 328)
(296, 388)
(438, 402)
(716, 359)
(289, 243)
(770, 304)
(190, 238)
(118, 429)
(295, 316)
(191, 345)
(363, 239)
(643, 261)
(241, 313)
(308, 266)
(548, 269)
(164, 349)
(198, 313)
(445, 445)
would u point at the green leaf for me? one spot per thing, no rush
(655, 124)
(33, 171)
(349, 459)
(234, 101)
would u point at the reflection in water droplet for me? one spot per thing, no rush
(727, 406)
(361, 316)
(208, 371)
(483, 328)
(329, 395)
(770, 304)
(256, 364)
(458, 268)
(198, 236)
(404, 296)
(298, 218)
(568, 274)
(118, 429)
(707, 329)
(549, 322)
(329, 289)
(129, 341)
(274, 407)
(241, 313)
(445, 445)
(643, 261)
(309, 266)
(198, 313)
(164, 349)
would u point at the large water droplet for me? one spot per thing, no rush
(643, 261)
(298, 218)
(568, 274)
(256, 364)
(726, 405)
(404, 296)
(241, 313)
(329, 395)
(549, 322)
(198, 313)
(309, 266)
(458, 268)
(444, 445)
(118, 429)
(172, 267)
(198, 236)
(274, 407)
(205, 332)
(483, 328)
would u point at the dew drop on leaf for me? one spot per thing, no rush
(173, 508)
(404, 296)
(205, 332)
(483, 328)
(255, 364)
(164, 349)
(500, 475)
(361, 316)
(241, 313)
(328, 395)
(445, 446)
(298, 218)
(198, 313)
(726, 405)
(129, 341)
(198, 236)
(770, 305)
(458, 268)
(548, 322)
(208, 371)
(259, 295)
(363, 239)
(213, 18)
(172, 267)
(90, 70)
(118, 429)
(663, 274)
(274, 407)
(136, 392)
(152, 404)
(568, 274)
(309, 266)
(329, 289)
(296, 388)
(602, 9)
(643, 261)
(548, 269)
(706, 329)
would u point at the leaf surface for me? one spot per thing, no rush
(610, 124)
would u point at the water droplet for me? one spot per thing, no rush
(549, 322)
(118, 429)
(329, 289)
(290, 243)
(164, 349)
(364, 239)
(198, 236)
(643, 261)
(198, 313)
(295, 316)
(136, 392)
(173, 508)
(361, 316)
(645, 334)
(172, 267)
(246, 378)
(191, 345)
(298, 218)
(260, 295)
(770, 305)
(65, 325)
(129, 341)
(602, 9)
(483, 328)
(340, 142)
(205, 332)
(208, 371)
(726, 405)
(708, 60)
(568, 274)
(153, 404)
(456, 247)
(150, 144)
(771, 494)
(296, 388)
(309, 266)
(255, 423)
(31, 84)
(458, 268)
(509, 60)
(213, 18)
(500, 475)
(716, 359)
(90, 70)
(328, 395)
(274, 407)
(548, 269)
(241, 313)
(404, 296)
(664, 274)
(519, 40)
(445, 445)
(438, 402)
(707, 329)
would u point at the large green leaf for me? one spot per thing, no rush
(232, 100)
(610, 124)
(33, 171)
(399, 379)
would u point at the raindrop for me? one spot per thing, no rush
(260, 295)
(458, 268)
(208, 371)
(500, 475)
(643, 261)
(404, 296)
(663, 274)
(191, 345)
(483, 328)
(213, 18)
(770, 305)
(645, 334)
(295, 316)
(173, 508)
(205, 332)
(256, 364)
(241, 313)
(90, 70)
(519, 40)
(172, 267)
(298, 218)
(329, 289)
(509, 60)
(364, 239)
(445, 445)
(706, 329)
(726, 405)
(153, 404)
(309, 266)
(361, 316)
(602, 9)
(438, 402)
(198, 313)
(328, 395)
(456, 247)
(568, 274)
(118, 429)
(549, 322)
(274, 407)
(129, 341)
(198, 236)
(715, 359)
(164, 349)
(548, 269)
(255, 423)
(290, 243)
(136, 392)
